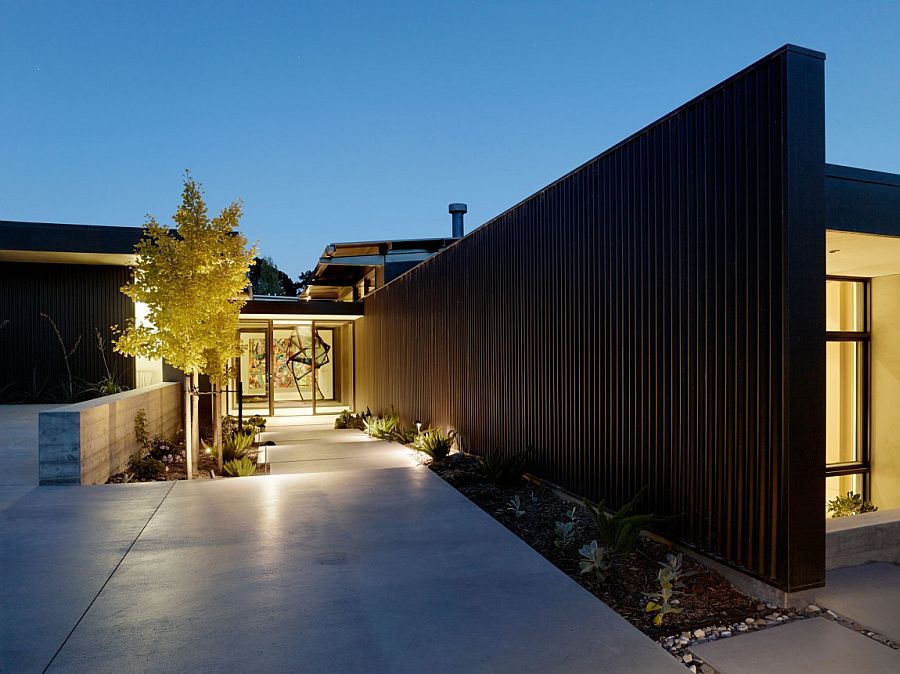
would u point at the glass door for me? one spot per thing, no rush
(253, 370)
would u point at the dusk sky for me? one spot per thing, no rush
(353, 121)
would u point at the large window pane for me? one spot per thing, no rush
(845, 306)
(843, 370)
(839, 485)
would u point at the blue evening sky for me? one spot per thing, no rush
(343, 121)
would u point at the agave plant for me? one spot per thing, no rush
(435, 443)
(236, 445)
(382, 427)
(502, 468)
(243, 467)
(620, 530)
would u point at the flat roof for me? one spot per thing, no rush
(59, 243)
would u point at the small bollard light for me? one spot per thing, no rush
(418, 426)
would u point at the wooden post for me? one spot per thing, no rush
(195, 415)
(189, 450)
(217, 416)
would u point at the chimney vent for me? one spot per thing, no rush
(457, 211)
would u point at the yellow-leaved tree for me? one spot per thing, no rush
(192, 279)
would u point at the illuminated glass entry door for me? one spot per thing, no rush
(300, 367)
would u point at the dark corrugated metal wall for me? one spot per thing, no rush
(630, 325)
(79, 298)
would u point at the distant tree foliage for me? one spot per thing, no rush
(305, 279)
(267, 279)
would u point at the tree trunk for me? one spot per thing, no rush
(217, 415)
(195, 415)
(189, 451)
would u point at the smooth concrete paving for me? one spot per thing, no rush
(311, 445)
(58, 546)
(18, 451)
(386, 570)
(868, 594)
(816, 645)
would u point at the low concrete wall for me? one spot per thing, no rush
(87, 442)
(863, 538)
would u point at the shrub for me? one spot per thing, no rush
(258, 422)
(620, 531)
(405, 436)
(160, 446)
(147, 468)
(230, 425)
(140, 429)
(515, 504)
(851, 504)
(594, 560)
(382, 427)
(243, 467)
(107, 387)
(564, 534)
(435, 443)
(669, 578)
(348, 419)
(236, 445)
(501, 469)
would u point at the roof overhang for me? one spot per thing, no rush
(58, 257)
(52, 243)
(280, 308)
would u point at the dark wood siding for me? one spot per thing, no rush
(634, 323)
(79, 298)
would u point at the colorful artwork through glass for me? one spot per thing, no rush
(256, 375)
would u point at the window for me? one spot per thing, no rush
(847, 386)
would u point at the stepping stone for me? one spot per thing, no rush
(815, 645)
(869, 595)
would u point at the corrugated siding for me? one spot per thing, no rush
(79, 298)
(626, 324)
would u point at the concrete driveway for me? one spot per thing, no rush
(18, 450)
(372, 567)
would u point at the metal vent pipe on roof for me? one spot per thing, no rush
(457, 211)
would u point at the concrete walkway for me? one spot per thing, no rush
(869, 595)
(349, 564)
(816, 645)
(18, 450)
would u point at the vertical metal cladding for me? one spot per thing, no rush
(79, 298)
(633, 323)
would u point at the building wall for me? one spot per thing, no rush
(79, 299)
(653, 318)
(885, 393)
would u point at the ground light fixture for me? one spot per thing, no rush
(418, 427)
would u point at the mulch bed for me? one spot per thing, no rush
(708, 598)
(177, 471)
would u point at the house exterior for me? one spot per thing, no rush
(657, 317)
(707, 309)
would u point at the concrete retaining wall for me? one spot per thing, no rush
(864, 538)
(87, 442)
